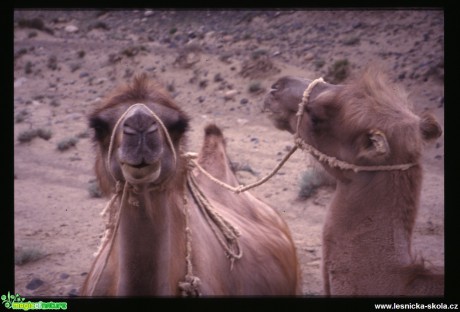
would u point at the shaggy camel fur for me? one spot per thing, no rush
(368, 227)
(162, 234)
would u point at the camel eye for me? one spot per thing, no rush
(100, 126)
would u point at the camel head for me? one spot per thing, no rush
(136, 135)
(366, 122)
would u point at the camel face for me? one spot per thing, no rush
(141, 147)
(140, 151)
(367, 122)
(282, 102)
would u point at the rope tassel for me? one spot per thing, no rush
(190, 287)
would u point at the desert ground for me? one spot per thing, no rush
(218, 65)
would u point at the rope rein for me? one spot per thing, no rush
(191, 285)
(216, 221)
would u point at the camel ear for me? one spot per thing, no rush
(375, 147)
(429, 127)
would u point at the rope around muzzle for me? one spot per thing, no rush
(114, 131)
(329, 160)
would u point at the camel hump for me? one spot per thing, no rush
(212, 129)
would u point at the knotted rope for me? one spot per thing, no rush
(215, 220)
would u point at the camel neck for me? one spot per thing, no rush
(154, 219)
(379, 208)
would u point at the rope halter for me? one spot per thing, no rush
(228, 236)
(122, 117)
(329, 160)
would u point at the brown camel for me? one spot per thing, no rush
(368, 227)
(160, 241)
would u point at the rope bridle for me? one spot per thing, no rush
(332, 161)
(191, 285)
(300, 143)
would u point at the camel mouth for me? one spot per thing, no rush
(142, 173)
(140, 166)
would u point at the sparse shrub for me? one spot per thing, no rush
(311, 180)
(247, 36)
(83, 134)
(225, 57)
(27, 135)
(258, 66)
(35, 23)
(45, 134)
(218, 77)
(255, 86)
(55, 103)
(338, 72)
(99, 25)
(81, 54)
(236, 166)
(319, 63)
(67, 143)
(20, 53)
(258, 53)
(74, 67)
(172, 31)
(94, 189)
(28, 254)
(203, 83)
(131, 51)
(32, 34)
(52, 62)
(114, 58)
(308, 183)
(351, 41)
(28, 67)
(21, 116)
(171, 87)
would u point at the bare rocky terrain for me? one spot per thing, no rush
(218, 65)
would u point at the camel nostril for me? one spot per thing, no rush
(152, 128)
(128, 130)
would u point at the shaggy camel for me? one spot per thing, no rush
(368, 227)
(161, 241)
